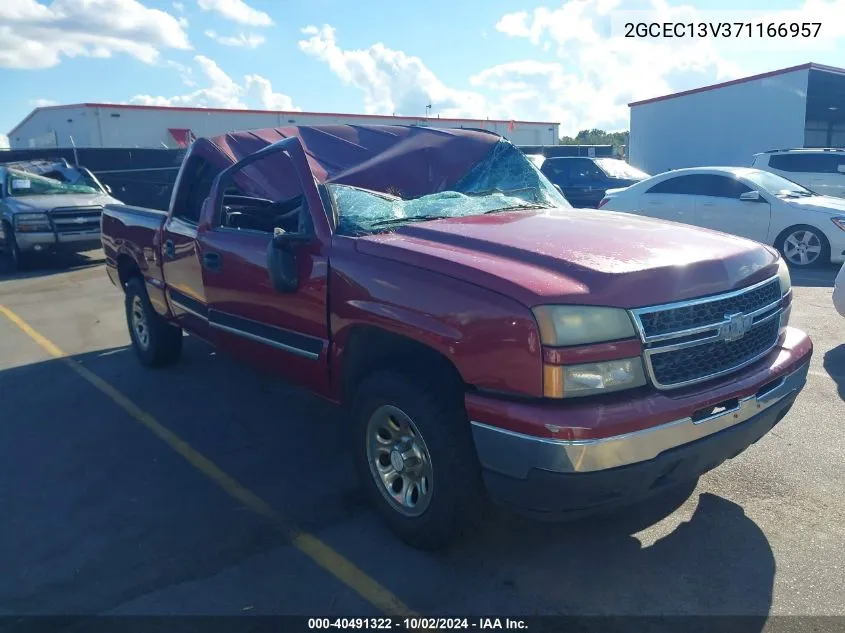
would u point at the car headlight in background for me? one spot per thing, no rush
(580, 325)
(571, 381)
(839, 221)
(32, 222)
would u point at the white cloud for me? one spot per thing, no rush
(34, 35)
(221, 91)
(43, 103)
(179, 6)
(4, 141)
(238, 11)
(598, 72)
(261, 89)
(392, 81)
(597, 75)
(251, 40)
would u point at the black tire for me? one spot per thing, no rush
(437, 410)
(817, 238)
(14, 257)
(162, 344)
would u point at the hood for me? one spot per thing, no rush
(820, 204)
(25, 204)
(622, 183)
(582, 257)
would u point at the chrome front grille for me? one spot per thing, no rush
(701, 339)
(76, 219)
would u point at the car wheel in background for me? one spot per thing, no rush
(156, 342)
(804, 246)
(416, 459)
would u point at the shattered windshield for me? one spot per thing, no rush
(21, 183)
(504, 180)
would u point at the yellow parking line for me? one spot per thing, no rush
(326, 557)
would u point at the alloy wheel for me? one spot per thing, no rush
(802, 247)
(139, 323)
(399, 461)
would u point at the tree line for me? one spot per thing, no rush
(597, 137)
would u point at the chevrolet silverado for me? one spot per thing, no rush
(487, 339)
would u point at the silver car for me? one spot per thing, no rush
(49, 207)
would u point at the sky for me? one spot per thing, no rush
(567, 62)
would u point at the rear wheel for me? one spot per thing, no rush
(804, 246)
(156, 342)
(416, 459)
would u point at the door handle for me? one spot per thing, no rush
(169, 249)
(212, 261)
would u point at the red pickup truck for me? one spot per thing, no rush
(487, 338)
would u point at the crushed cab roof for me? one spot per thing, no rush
(415, 161)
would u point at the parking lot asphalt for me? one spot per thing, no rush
(106, 513)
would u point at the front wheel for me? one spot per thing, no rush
(13, 251)
(804, 246)
(156, 342)
(416, 459)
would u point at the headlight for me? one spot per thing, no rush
(840, 222)
(783, 277)
(785, 287)
(30, 222)
(580, 325)
(570, 381)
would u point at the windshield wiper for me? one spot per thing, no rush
(518, 206)
(413, 218)
(487, 192)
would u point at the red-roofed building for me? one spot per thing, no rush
(120, 125)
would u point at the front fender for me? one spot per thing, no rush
(491, 340)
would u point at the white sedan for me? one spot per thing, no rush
(807, 228)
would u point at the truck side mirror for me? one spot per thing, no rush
(750, 196)
(282, 262)
(107, 188)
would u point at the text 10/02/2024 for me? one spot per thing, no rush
(418, 624)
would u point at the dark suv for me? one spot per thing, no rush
(585, 180)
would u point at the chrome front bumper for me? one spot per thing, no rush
(515, 455)
(80, 240)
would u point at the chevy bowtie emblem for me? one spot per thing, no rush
(736, 327)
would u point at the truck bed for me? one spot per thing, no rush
(130, 237)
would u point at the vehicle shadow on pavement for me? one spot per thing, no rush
(718, 562)
(103, 513)
(820, 277)
(46, 265)
(834, 364)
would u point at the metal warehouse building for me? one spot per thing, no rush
(113, 125)
(725, 124)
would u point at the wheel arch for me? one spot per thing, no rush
(366, 349)
(127, 268)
